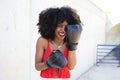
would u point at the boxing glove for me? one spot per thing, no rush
(72, 36)
(56, 60)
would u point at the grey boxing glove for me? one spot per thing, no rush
(72, 36)
(56, 60)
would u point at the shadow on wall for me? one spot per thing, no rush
(113, 36)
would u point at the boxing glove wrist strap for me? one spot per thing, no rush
(72, 46)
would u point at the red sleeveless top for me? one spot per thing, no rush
(51, 72)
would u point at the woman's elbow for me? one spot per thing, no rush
(71, 67)
(36, 67)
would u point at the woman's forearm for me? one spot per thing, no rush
(71, 59)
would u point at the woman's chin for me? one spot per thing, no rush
(62, 37)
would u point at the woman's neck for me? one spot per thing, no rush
(58, 42)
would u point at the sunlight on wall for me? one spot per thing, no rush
(111, 6)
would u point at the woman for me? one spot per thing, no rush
(52, 24)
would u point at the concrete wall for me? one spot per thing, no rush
(18, 35)
(14, 40)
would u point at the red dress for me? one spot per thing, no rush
(51, 72)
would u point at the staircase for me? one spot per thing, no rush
(108, 54)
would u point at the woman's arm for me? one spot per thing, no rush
(39, 65)
(71, 59)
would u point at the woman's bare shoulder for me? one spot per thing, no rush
(42, 41)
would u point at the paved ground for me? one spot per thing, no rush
(102, 72)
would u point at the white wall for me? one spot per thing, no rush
(18, 33)
(14, 40)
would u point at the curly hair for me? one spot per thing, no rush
(51, 17)
(71, 15)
